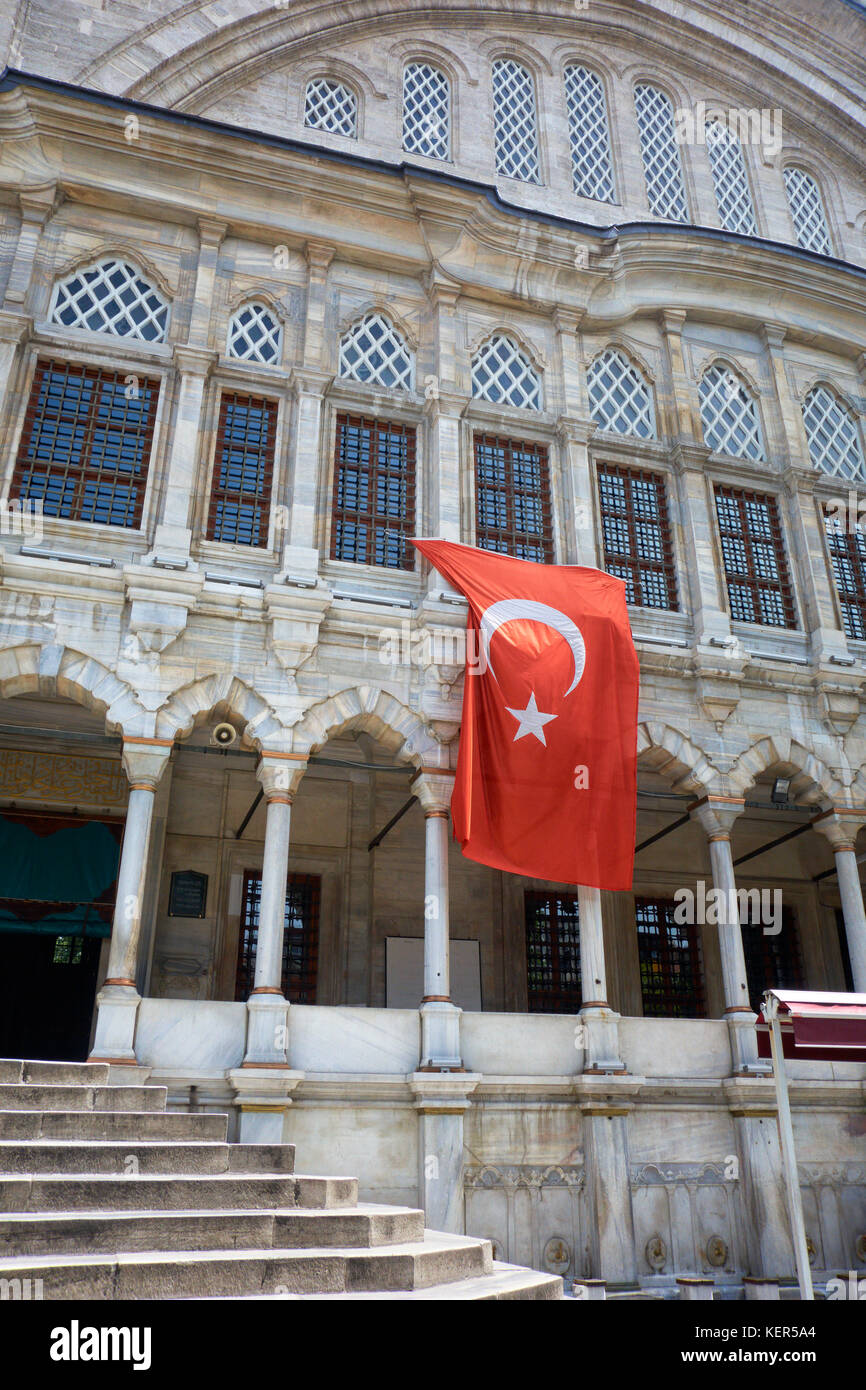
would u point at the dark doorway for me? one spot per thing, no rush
(47, 988)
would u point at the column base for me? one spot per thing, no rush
(267, 1031)
(440, 1037)
(117, 1011)
(262, 1099)
(441, 1103)
(601, 1041)
(744, 1045)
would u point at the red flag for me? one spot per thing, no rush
(546, 780)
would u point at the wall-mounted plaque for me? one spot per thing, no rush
(188, 894)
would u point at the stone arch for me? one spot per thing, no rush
(503, 328)
(191, 704)
(383, 716)
(55, 670)
(668, 752)
(812, 782)
(116, 251)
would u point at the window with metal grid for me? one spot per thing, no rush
(753, 554)
(512, 498)
(300, 937)
(553, 983)
(255, 335)
(515, 132)
(848, 559)
(730, 180)
(637, 535)
(240, 499)
(772, 962)
(426, 111)
(619, 398)
(111, 297)
(331, 106)
(372, 350)
(374, 492)
(807, 211)
(729, 414)
(671, 975)
(661, 155)
(591, 167)
(502, 373)
(86, 443)
(833, 434)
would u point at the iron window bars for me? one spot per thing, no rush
(374, 492)
(553, 982)
(512, 498)
(300, 937)
(240, 499)
(671, 977)
(637, 535)
(753, 553)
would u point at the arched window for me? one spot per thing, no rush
(729, 414)
(514, 122)
(619, 397)
(330, 105)
(590, 141)
(831, 429)
(255, 335)
(807, 211)
(111, 297)
(730, 180)
(661, 154)
(426, 111)
(502, 373)
(373, 350)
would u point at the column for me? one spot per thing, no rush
(574, 431)
(598, 1022)
(608, 1177)
(144, 761)
(173, 534)
(440, 1019)
(446, 395)
(37, 207)
(211, 234)
(14, 329)
(840, 825)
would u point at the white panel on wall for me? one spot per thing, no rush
(404, 957)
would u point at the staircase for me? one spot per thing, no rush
(106, 1195)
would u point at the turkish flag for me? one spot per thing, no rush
(546, 780)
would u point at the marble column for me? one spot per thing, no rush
(598, 1022)
(840, 826)
(440, 1019)
(144, 761)
(605, 1104)
(441, 1102)
(764, 1203)
(211, 234)
(173, 533)
(300, 553)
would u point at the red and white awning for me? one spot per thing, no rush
(816, 1027)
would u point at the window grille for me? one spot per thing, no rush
(590, 141)
(729, 415)
(661, 156)
(553, 982)
(255, 335)
(243, 470)
(502, 373)
(772, 962)
(300, 937)
(374, 493)
(831, 429)
(807, 211)
(373, 350)
(512, 498)
(426, 111)
(514, 122)
(111, 297)
(671, 977)
(331, 106)
(753, 553)
(848, 560)
(86, 443)
(619, 397)
(733, 195)
(637, 535)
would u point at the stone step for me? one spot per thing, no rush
(87, 1156)
(439, 1259)
(14, 1069)
(506, 1282)
(67, 1233)
(15, 1096)
(107, 1193)
(118, 1126)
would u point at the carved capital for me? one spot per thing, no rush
(194, 361)
(145, 760)
(433, 789)
(840, 825)
(280, 774)
(716, 814)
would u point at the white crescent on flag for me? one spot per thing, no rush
(508, 610)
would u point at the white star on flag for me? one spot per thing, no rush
(531, 720)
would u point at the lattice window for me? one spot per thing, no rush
(807, 211)
(671, 977)
(426, 111)
(255, 335)
(661, 156)
(733, 195)
(373, 350)
(729, 414)
(552, 953)
(848, 559)
(502, 373)
(300, 937)
(374, 493)
(831, 429)
(619, 397)
(753, 553)
(637, 535)
(111, 297)
(86, 443)
(243, 470)
(772, 962)
(512, 498)
(331, 106)
(590, 141)
(514, 122)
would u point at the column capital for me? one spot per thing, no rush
(280, 774)
(840, 824)
(572, 430)
(433, 788)
(14, 328)
(211, 231)
(672, 320)
(194, 361)
(309, 381)
(145, 760)
(319, 255)
(773, 335)
(38, 204)
(716, 814)
(693, 457)
(450, 404)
